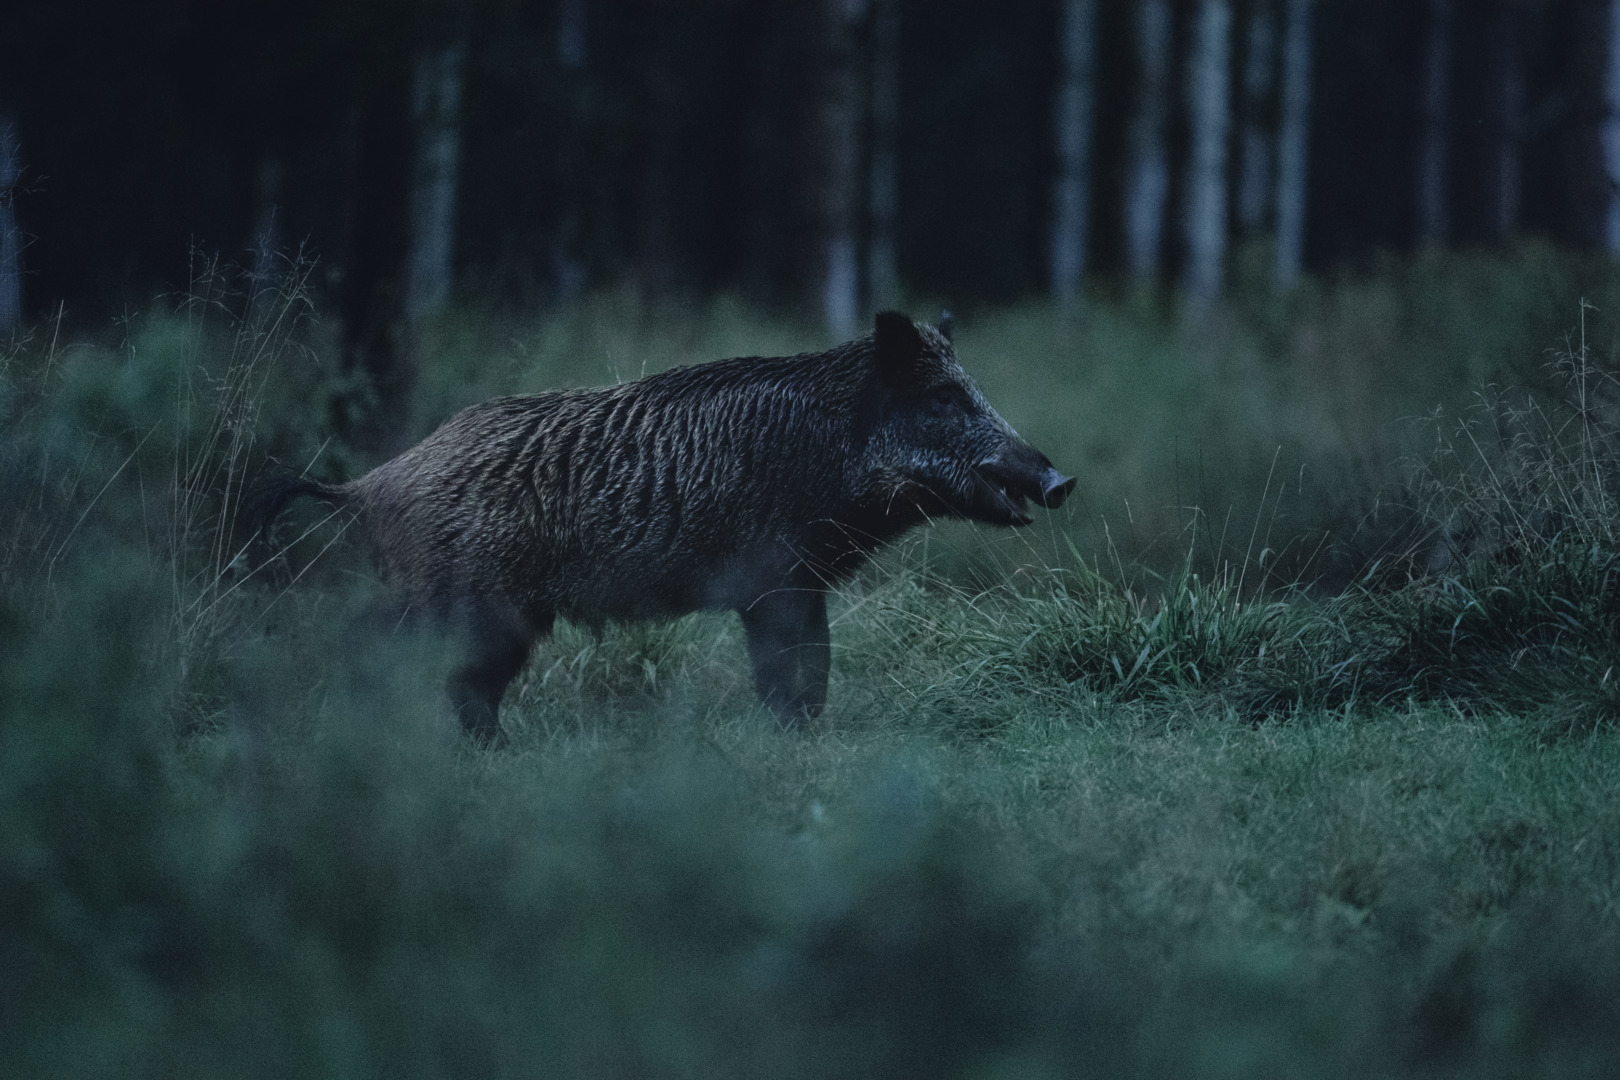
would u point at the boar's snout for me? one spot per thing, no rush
(1006, 485)
(1055, 487)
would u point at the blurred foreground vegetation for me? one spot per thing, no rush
(1323, 784)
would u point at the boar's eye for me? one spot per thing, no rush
(946, 398)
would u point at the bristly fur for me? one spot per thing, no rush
(748, 484)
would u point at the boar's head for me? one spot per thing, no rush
(936, 441)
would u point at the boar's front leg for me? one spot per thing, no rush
(787, 642)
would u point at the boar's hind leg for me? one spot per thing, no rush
(787, 641)
(496, 651)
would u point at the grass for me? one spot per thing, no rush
(1066, 816)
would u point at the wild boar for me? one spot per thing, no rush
(750, 485)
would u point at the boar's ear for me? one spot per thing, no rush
(945, 325)
(899, 347)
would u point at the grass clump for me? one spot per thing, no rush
(1507, 599)
(145, 447)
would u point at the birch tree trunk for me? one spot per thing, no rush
(1148, 167)
(10, 236)
(1210, 110)
(436, 89)
(1071, 202)
(1293, 142)
(882, 192)
(838, 138)
(1255, 182)
(1433, 217)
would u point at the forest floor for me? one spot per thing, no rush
(1310, 786)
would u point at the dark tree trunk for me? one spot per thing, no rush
(655, 243)
(1433, 216)
(10, 235)
(268, 242)
(1256, 185)
(373, 414)
(568, 273)
(1579, 193)
(1490, 108)
(1611, 130)
(572, 33)
(767, 158)
(1507, 157)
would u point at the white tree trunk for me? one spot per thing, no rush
(1148, 166)
(1433, 218)
(1293, 142)
(436, 88)
(1071, 200)
(882, 191)
(10, 236)
(839, 137)
(1255, 183)
(1210, 110)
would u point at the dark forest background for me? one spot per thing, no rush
(817, 159)
(475, 168)
(824, 157)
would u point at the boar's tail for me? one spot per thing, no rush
(269, 495)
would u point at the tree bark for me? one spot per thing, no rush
(1611, 128)
(882, 193)
(1148, 168)
(1507, 158)
(655, 243)
(1293, 142)
(436, 90)
(373, 412)
(567, 269)
(769, 260)
(1584, 193)
(1255, 181)
(269, 176)
(1071, 201)
(571, 33)
(1433, 217)
(838, 152)
(10, 236)
(1488, 148)
(1209, 107)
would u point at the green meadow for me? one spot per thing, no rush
(1287, 748)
